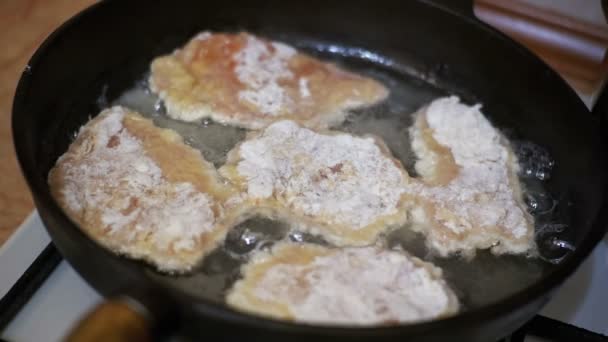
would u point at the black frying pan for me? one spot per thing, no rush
(100, 53)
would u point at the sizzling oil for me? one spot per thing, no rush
(480, 281)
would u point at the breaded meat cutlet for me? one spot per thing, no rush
(247, 81)
(343, 187)
(140, 191)
(470, 196)
(349, 286)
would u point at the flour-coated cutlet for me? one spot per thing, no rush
(469, 197)
(247, 81)
(347, 286)
(343, 187)
(140, 191)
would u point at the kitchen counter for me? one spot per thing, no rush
(23, 26)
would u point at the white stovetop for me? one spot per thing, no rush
(64, 297)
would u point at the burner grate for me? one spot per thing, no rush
(549, 329)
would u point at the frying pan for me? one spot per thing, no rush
(101, 52)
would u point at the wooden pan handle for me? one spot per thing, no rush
(112, 321)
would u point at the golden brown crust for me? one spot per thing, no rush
(443, 168)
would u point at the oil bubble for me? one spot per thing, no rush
(534, 160)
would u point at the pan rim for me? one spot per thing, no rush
(205, 307)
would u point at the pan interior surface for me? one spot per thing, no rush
(484, 279)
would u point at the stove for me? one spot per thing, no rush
(42, 295)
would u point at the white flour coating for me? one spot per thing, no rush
(303, 85)
(203, 35)
(259, 69)
(129, 188)
(358, 286)
(481, 193)
(345, 179)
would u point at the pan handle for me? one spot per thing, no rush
(116, 320)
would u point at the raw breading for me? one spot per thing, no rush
(470, 197)
(348, 286)
(140, 191)
(243, 80)
(345, 188)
